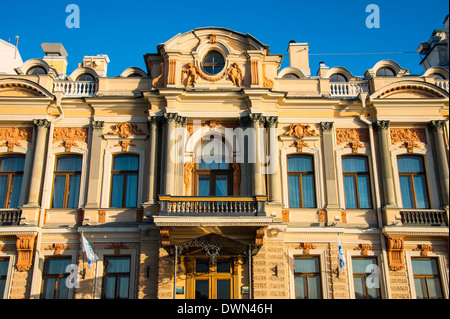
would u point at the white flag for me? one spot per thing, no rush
(86, 247)
(341, 257)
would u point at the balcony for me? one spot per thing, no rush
(424, 218)
(214, 206)
(347, 89)
(10, 216)
(76, 89)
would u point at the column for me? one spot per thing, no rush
(246, 182)
(387, 180)
(153, 123)
(329, 167)
(273, 165)
(167, 178)
(38, 162)
(256, 119)
(437, 130)
(95, 160)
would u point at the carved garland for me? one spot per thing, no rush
(13, 135)
(353, 137)
(408, 137)
(69, 136)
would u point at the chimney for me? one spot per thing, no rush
(323, 69)
(55, 56)
(298, 56)
(97, 62)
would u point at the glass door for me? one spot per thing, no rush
(213, 281)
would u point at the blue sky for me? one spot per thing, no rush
(126, 30)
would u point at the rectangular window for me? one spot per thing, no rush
(116, 277)
(124, 181)
(214, 178)
(11, 175)
(4, 263)
(365, 285)
(66, 183)
(426, 278)
(54, 278)
(356, 182)
(301, 181)
(413, 183)
(307, 278)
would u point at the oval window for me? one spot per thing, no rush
(213, 63)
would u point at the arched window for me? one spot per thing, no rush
(438, 76)
(124, 181)
(338, 78)
(11, 176)
(213, 63)
(301, 181)
(134, 75)
(86, 78)
(66, 183)
(385, 71)
(290, 76)
(413, 181)
(356, 182)
(36, 70)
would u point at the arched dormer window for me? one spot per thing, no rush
(385, 71)
(290, 76)
(337, 77)
(86, 78)
(36, 70)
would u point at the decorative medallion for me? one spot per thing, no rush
(212, 38)
(69, 136)
(300, 131)
(126, 129)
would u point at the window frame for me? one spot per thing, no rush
(59, 277)
(300, 175)
(7, 200)
(116, 275)
(86, 75)
(438, 276)
(213, 64)
(309, 274)
(338, 75)
(356, 174)
(125, 184)
(67, 175)
(384, 68)
(37, 67)
(3, 295)
(411, 175)
(365, 275)
(213, 173)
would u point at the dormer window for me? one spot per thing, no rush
(338, 78)
(290, 76)
(213, 63)
(37, 70)
(86, 78)
(385, 72)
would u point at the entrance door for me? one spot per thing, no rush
(213, 281)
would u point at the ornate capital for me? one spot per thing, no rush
(42, 124)
(97, 125)
(327, 126)
(256, 118)
(171, 118)
(271, 121)
(381, 125)
(436, 126)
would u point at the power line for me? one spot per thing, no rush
(362, 53)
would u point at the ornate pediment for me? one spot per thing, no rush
(22, 88)
(409, 90)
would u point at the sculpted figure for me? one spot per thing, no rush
(235, 74)
(191, 72)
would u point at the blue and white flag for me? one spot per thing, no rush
(341, 257)
(86, 247)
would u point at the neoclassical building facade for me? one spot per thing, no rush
(216, 174)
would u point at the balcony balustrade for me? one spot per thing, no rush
(76, 88)
(10, 216)
(232, 206)
(347, 89)
(443, 84)
(424, 218)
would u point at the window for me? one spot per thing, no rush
(134, 75)
(214, 178)
(4, 262)
(385, 72)
(426, 278)
(54, 278)
(11, 175)
(116, 277)
(356, 182)
(86, 77)
(36, 70)
(365, 288)
(213, 281)
(438, 76)
(301, 181)
(290, 76)
(307, 278)
(124, 181)
(66, 183)
(413, 184)
(213, 63)
(338, 78)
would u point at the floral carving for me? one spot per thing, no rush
(408, 137)
(125, 144)
(12, 136)
(424, 249)
(69, 136)
(353, 138)
(300, 131)
(126, 129)
(212, 38)
(299, 144)
(57, 247)
(364, 248)
(306, 247)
